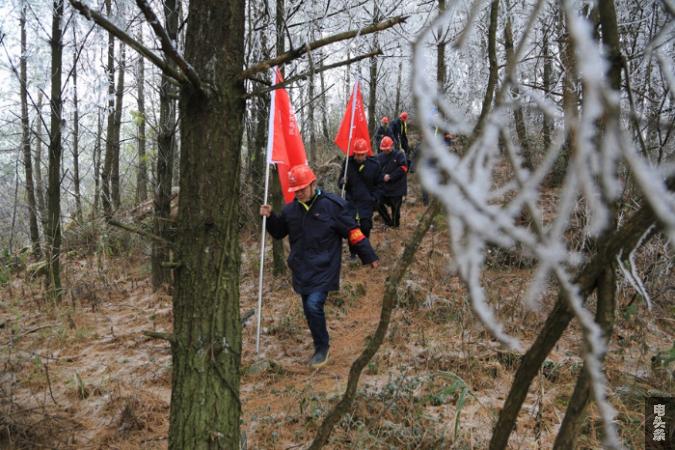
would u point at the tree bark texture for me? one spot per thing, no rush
(518, 116)
(324, 105)
(117, 124)
(142, 171)
(372, 80)
(278, 257)
(166, 138)
(606, 288)
(39, 185)
(205, 406)
(440, 53)
(399, 76)
(76, 134)
(25, 143)
(53, 229)
(97, 164)
(310, 117)
(570, 429)
(494, 68)
(106, 197)
(388, 303)
(547, 126)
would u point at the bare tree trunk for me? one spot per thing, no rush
(372, 81)
(278, 257)
(142, 174)
(53, 230)
(569, 96)
(547, 126)
(25, 142)
(310, 114)
(324, 105)
(166, 138)
(76, 133)
(10, 244)
(258, 161)
(397, 105)
(119, 96)
(348, 79)
(110, 130)
(494, 68)
(97, 163)
(440, 52)
(206, 349)
(257, 156)
(570, 429)
(518, 116)
(606, 297)
(39, 185)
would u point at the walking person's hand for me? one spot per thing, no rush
(375, 264)
(387, 178)
(266, 210)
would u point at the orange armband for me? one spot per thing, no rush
(355, 236)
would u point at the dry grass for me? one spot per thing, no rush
(437, 382)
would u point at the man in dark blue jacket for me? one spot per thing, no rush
(382, 130)
(399, 132)
(394, 173)
(315, 223)
(363, 186)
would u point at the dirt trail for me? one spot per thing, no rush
(111, 384)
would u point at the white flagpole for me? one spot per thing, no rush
(270, 143)
(349, 142)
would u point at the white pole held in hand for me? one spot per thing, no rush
(270, 143)
(349, 141)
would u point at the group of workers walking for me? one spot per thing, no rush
(317, 221)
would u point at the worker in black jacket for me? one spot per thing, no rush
(315, 223)
(363, 186)
(394, 173)
(399, 131)
(382, 130)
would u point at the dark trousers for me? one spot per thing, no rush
(392, 219)
(313, 304)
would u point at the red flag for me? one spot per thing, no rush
(358, 124)
(284, 144)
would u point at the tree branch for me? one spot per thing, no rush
(306, 74)
(158, 335)
(296, 53)
(168, 46)
(138, 231)
(621, 241)
(127, 39)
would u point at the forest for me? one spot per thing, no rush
(525, 301)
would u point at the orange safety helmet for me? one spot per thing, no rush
(360, 146)
(387, 143)
(404, 116)
(299, 177)
(385, 119)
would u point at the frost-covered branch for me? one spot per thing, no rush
(487, 191)
(128, 39)
(306, 74)
(169, 46)
(296, 53)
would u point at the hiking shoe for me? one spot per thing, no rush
(319, 359)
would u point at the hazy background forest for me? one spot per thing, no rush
(132, 144)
